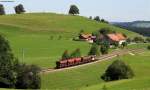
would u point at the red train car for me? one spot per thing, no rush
(71, 62)
(74, 61)
(61, 64)
(77, 61)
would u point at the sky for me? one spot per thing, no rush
(111, 10)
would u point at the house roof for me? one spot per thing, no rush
(116, 37)
(86, 35)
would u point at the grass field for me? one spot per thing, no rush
(88, 78)
(30, 35)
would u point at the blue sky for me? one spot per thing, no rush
(112, 10)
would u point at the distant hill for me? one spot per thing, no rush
(141, 27)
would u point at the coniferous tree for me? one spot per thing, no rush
(7, 61)
(76, 53)
(74, 10)
(65, 55)
(2, 10)
(105, 47)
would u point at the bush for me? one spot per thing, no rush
(124, 44)
(148, 39)
(129, 40)
(148, 47)
(116, 44)
(117, 70)
(28, 77)
(138, 40)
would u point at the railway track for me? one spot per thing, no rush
(98, 59)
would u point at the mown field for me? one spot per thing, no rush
(88, 78)
(34, 38)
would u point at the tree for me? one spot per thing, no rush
(118, 70)
(19, 9)
(2, 10)
(7, 61)
(129, 40)
(138, 39)
(12, 73)
(105, 31)
(104, 21)
(148, 47)
(65, 55)
(94, 50)
(74, 10)
(28, 77)
(105, 47)
(90, 17)
(97, 18)
(148, 39)
(76, 53)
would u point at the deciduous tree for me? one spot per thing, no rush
(19, 9)
(118, 70)
(74, 10)
(95, 50)
(2, 9)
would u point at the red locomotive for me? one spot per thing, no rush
(74, 61)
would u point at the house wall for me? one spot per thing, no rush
(120, 42)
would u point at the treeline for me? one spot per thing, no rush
(98, 19)
(142, 31)
(19, 9)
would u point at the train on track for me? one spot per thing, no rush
(75, 61)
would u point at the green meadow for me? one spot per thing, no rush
(41, 38)
(35, 37)
(88, 77)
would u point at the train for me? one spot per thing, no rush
(74, 61)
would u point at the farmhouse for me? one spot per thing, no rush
(117, 37)
(87, 37)
(113, 38)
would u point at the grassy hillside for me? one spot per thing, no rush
(88, 78)
(31, 35)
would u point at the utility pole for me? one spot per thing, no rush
(23, 54)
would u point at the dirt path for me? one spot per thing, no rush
(99, 59)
